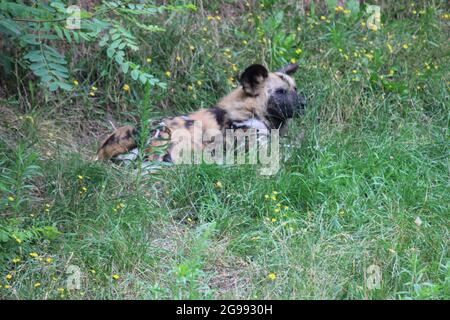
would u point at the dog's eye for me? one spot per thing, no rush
(281, 91)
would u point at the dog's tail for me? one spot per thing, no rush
(120, 141)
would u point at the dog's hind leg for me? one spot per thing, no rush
(120, 141)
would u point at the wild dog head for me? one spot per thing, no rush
(271, 97)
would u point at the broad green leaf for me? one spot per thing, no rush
(135, 74)
(66, 86)
(125, 67)
(143, 78)
(67, 34)
(118, 58)
(115, 43)
(11, 26)
(53, 86)
(110, 52)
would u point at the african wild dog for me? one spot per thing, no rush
(263, 101)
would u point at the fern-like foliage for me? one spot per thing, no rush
(49, 65)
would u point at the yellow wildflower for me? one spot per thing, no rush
(10, 198)
(372, 26)
(49, 260)
(116, 277)
(126, 87)
(369, 56)
(8, 277)
(339, 9)
(75, 82)
(218, 184)
(272, 276)
(34, 255)
(37, 284)
(168, 74)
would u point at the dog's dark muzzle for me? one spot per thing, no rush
(286, 106)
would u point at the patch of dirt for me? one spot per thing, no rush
(229, 273)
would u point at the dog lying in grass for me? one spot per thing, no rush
(263, 101)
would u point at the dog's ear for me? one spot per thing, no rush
(289, 68)
(253, 78)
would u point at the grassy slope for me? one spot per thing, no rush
(374, 158)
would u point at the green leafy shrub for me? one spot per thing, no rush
(35, 41)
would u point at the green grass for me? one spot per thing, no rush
(374, 158)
